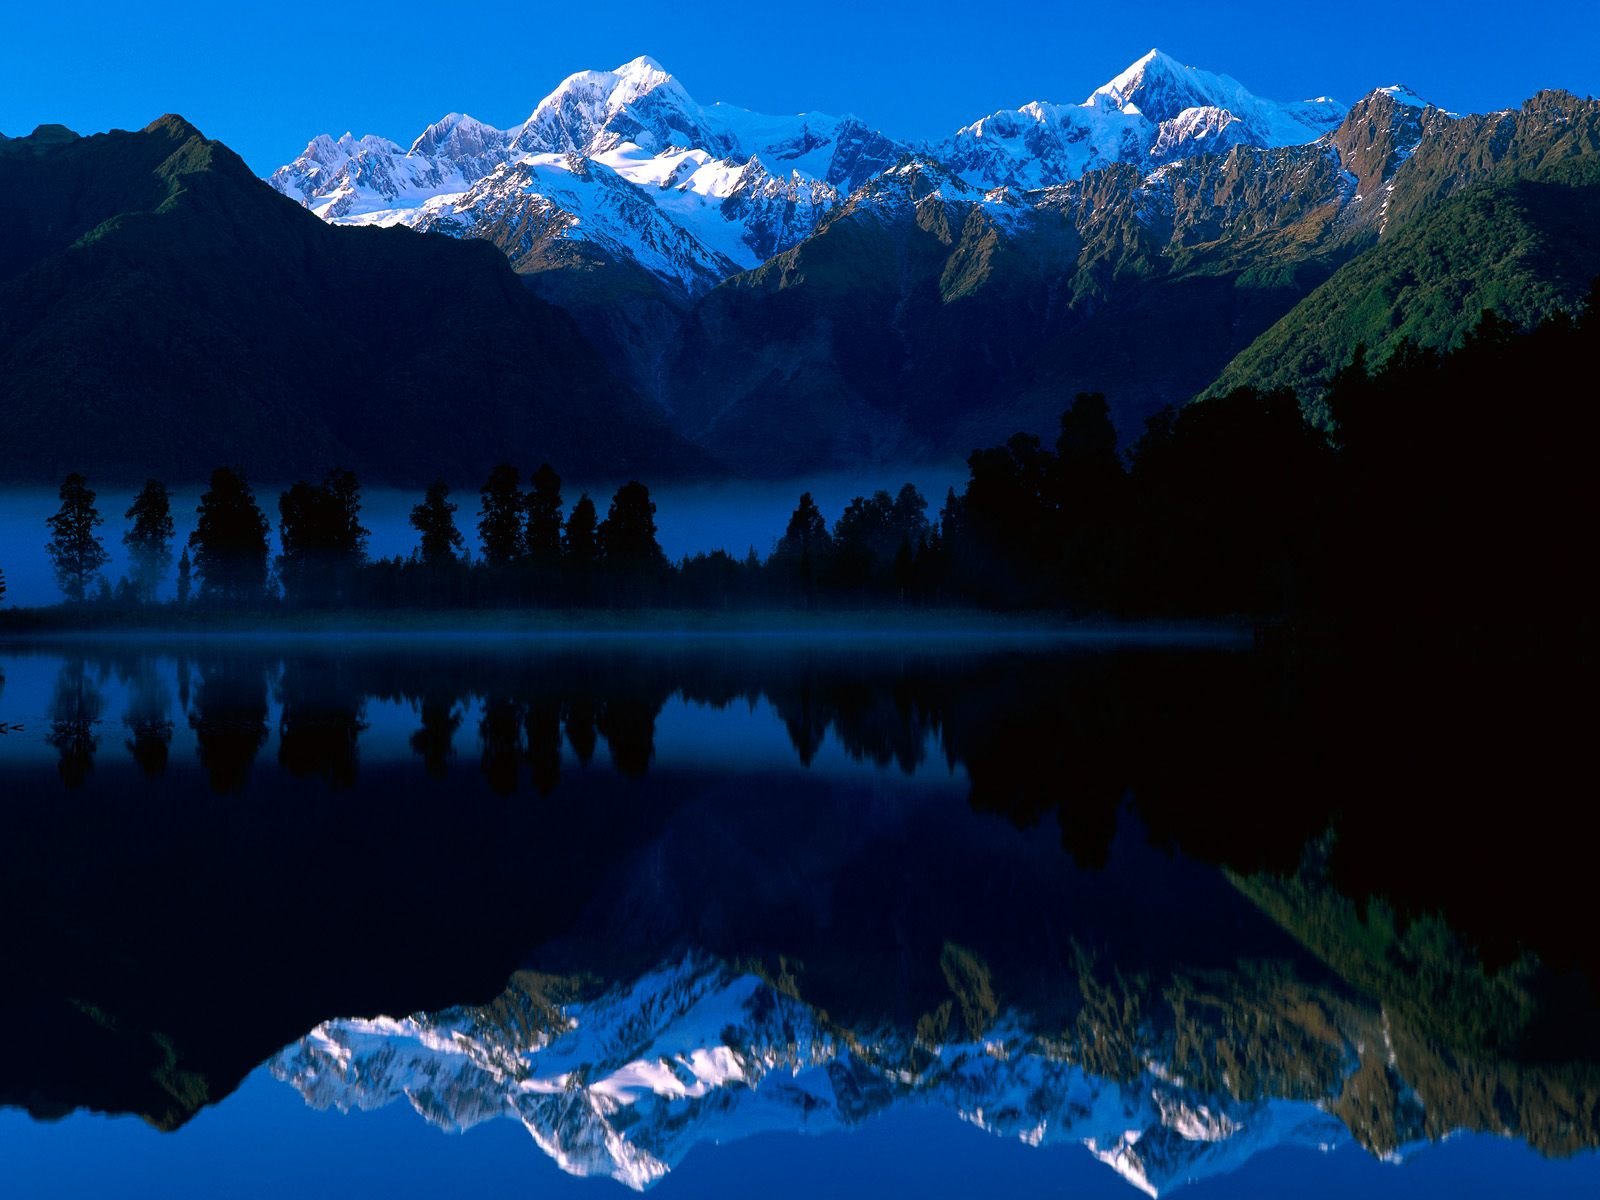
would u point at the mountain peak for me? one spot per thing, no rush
(1403, 95)
(174, 126)
(1152, 71)
(643, 65)
(575, 117)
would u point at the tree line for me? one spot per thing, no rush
(1418, 486)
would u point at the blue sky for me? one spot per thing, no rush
(265, 77)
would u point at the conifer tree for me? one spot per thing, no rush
(579, 543)
(543, 540)
(322, 538)
(803, 553)
(435, 520)
(76, 552)
(2, 586)
(628, 534)
(230, 541)
(500, 518)
(149, 539)
(184, 578)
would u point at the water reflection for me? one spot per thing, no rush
(74, 713)
(320, 720)
(229, 719)
(148, 718)
(743, 887)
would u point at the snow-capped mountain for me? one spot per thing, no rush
(1155, 112)
(625, 1084)
(716, 189)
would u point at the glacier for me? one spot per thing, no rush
(627, 163)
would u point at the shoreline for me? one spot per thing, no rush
(35, 626)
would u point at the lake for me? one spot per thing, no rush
(701, 914)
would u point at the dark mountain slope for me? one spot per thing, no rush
(163, 311)
(1497, 211)
(925, 317)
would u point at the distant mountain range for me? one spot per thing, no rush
(807, 292)
(760, 295)
(627, 163)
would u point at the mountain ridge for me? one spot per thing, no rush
(161, 311)
(720, 171)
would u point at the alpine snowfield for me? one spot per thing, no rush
(629, 166)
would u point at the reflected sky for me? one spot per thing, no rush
(982, 894)
(266, 1143)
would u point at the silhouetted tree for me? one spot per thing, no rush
(905, 562)
(543, 538)
(323, 539)
(580, 544)
(1233, 491)
(804, 553)
(627, 540)
(75, 550)
(1003, 548)
(500, 518)
(2, 587)
(908, 519)
(1092, 503)
(149, 539)
(230, 541)
(435, 520)
(184, 577)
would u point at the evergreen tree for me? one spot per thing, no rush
(184, 581)
(230, 541)
(1091, 501)
(802, 556)
(869, 534)
(905, 561)
(500, 518)
(580, 544)
(76, 552)
(628, 534)
(2, 587)
(908, 518)
(543, 539)
(435, 520)
(149, 539)
(322, 538)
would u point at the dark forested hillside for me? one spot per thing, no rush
(1496, 212)
(161, 310)
(925, 316)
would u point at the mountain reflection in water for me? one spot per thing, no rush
(1120, 896)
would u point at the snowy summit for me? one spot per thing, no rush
(627, 163)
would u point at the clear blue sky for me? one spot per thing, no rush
(265, 77)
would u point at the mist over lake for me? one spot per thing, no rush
(691, 518)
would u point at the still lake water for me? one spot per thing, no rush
(707, 915)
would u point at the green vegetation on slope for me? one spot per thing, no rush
(1524, 248)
